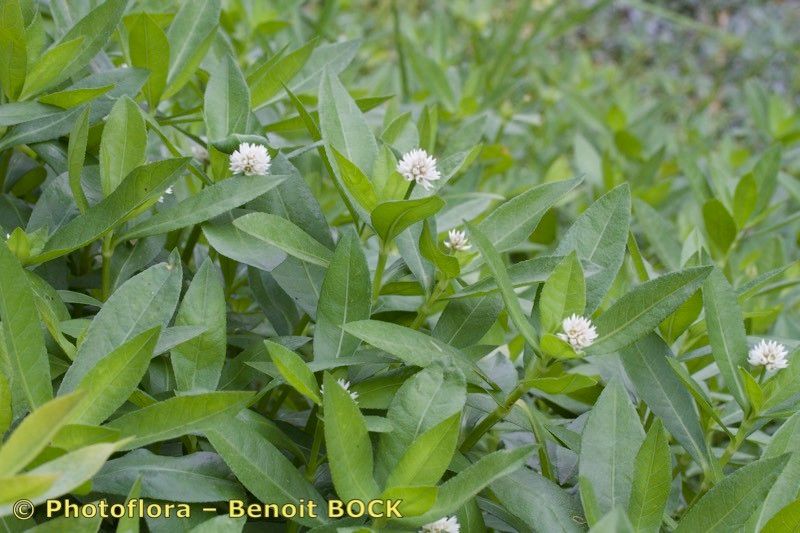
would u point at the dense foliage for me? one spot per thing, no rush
(525, 266)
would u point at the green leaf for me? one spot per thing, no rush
(46, 72)
(498, 270)
(196, 477)
(786, 487)
(6, 411)
(13, 488)
(390, 218)
(123, 144)
(424, 401)
(294, 370)
(190, 35)
(414, 500)
(429, 248)
(198, 362)
(141, 187)
(464, 322)
(95, 29)
(719, 224)
(787, 520)
(208, 203)
(513, 222)
(263, 469)
(17, 112)
(744, 199)
(266, 81)
(282, 233)
(647, 363)
(563, 294)
(652, 477)
(35, 433)
(614, 521)
(610, 441)
(537, 502)
(76, 154)
(25, 351)
(345, 297)
(72, 97)
(520, 274)
(726, 333)
(599, 235)
(642, 309)
(71, 471)
(149, 49)
(143, 302)
(110, 383)
(13, 48)
(227, 100)
(355, 182)
(457, 490)
(342, 125)
(348, 444)
(427, 458)
(765, 174)
(177, 416)
(728, 505)
(563, 384)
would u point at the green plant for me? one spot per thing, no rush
(512, 291)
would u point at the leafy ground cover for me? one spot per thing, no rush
(525, 266)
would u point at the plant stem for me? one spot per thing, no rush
(378, 278)
(107, 252)
(493, 418)
(188, 249)
(425, 310)
(313, 458)
(738, 439)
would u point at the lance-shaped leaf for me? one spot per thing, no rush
(282, 233)
(389, 219)
(610, 441)
(429, 248)
(110, 383)
(227, 100)
(190, 35)
(47, 68)
(345, 297)
(726, 333)
(263, 469)
(728, 505)
(144, 185)
(13, 48)
(538, 502)
(599, 235)
(177, 416)
(149, 49)
(24, 347)
(427, 458)
(145, 301)
(563, 294)
(652, 477)
(35, 433)
(294, 370)
(642, 309)
(123, 144)
(267, 79)
(348, 444)
(514, 221)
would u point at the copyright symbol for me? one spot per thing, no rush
(23, 509)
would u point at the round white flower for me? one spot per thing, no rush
(345, 385)
(770, 354)
(168, 191)
(457, 241)
(418, 166)
(578, 331)
(251, 160)
(443, 525)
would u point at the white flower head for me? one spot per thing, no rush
(448, 524)
(200, 153)
(250, 160)
(770, 354)
(457, 241)
(418, 166)
(343, 383)
(169, 190)
(579, 331)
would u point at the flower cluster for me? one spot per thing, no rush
(457, 241)
(419, 167)
(250, 160)
(443, 525)
(770, 354)
(345, 385)
(579, 331)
